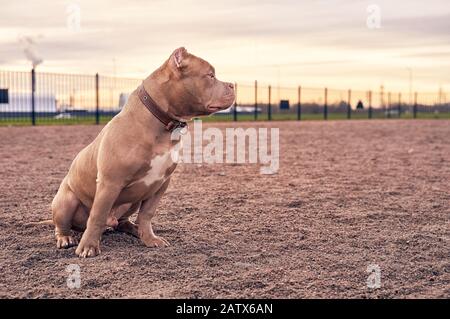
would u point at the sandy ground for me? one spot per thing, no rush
(347, 195)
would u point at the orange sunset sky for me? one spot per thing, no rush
(314, 43)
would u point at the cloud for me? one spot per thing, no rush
(311, 37)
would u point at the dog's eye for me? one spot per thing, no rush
(211, 75)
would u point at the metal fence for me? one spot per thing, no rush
(49, 98)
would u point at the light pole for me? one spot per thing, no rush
(410, 84)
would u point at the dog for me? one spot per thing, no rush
(127, 168)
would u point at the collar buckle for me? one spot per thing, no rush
(180, 126)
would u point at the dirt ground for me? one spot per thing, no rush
(349, 194)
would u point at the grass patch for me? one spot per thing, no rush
(86, 120)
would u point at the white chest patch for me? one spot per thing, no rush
(158, 167)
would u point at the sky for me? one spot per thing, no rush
(340, 44)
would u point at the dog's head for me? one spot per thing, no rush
(192, 88)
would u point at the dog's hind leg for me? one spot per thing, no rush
(64, 206)
(125, 224)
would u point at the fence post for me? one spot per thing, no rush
(370, 104)
(325, 105)
(415, 105)
(256, 100)
(349, 105)
(97, 100)
(389, 105)
(299, 104)
(33, 90)
(235, 103)
(399, 107)
(269, 109)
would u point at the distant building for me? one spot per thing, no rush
(123, 98)
(21, 102)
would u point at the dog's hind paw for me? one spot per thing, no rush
(155, 241)
(128, 227)
(63, 241)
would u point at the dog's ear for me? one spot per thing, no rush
(179, 57)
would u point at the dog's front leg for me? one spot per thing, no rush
(146, 213)
(105, 196)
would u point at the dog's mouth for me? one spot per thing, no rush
(214, 109)
(225, 103)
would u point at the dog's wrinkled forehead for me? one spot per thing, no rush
(201, 66)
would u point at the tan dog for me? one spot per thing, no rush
(127, 168)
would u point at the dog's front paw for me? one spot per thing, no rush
(88, 248)
(154, 241)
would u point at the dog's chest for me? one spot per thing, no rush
(161, 166)
(151, 177)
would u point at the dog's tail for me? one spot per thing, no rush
(42, 222)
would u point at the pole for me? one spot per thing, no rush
(33, 90)
(389, 105)
(256, 100)
(370, 104)
(269, 110)
(325, 105)
(410, 85)
(415, 105)
(235, 103)
(399, 106)
(299, 104)
(97, 100)
(349, 105)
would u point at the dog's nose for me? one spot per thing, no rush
(231, 86)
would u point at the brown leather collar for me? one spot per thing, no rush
(169, 122)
